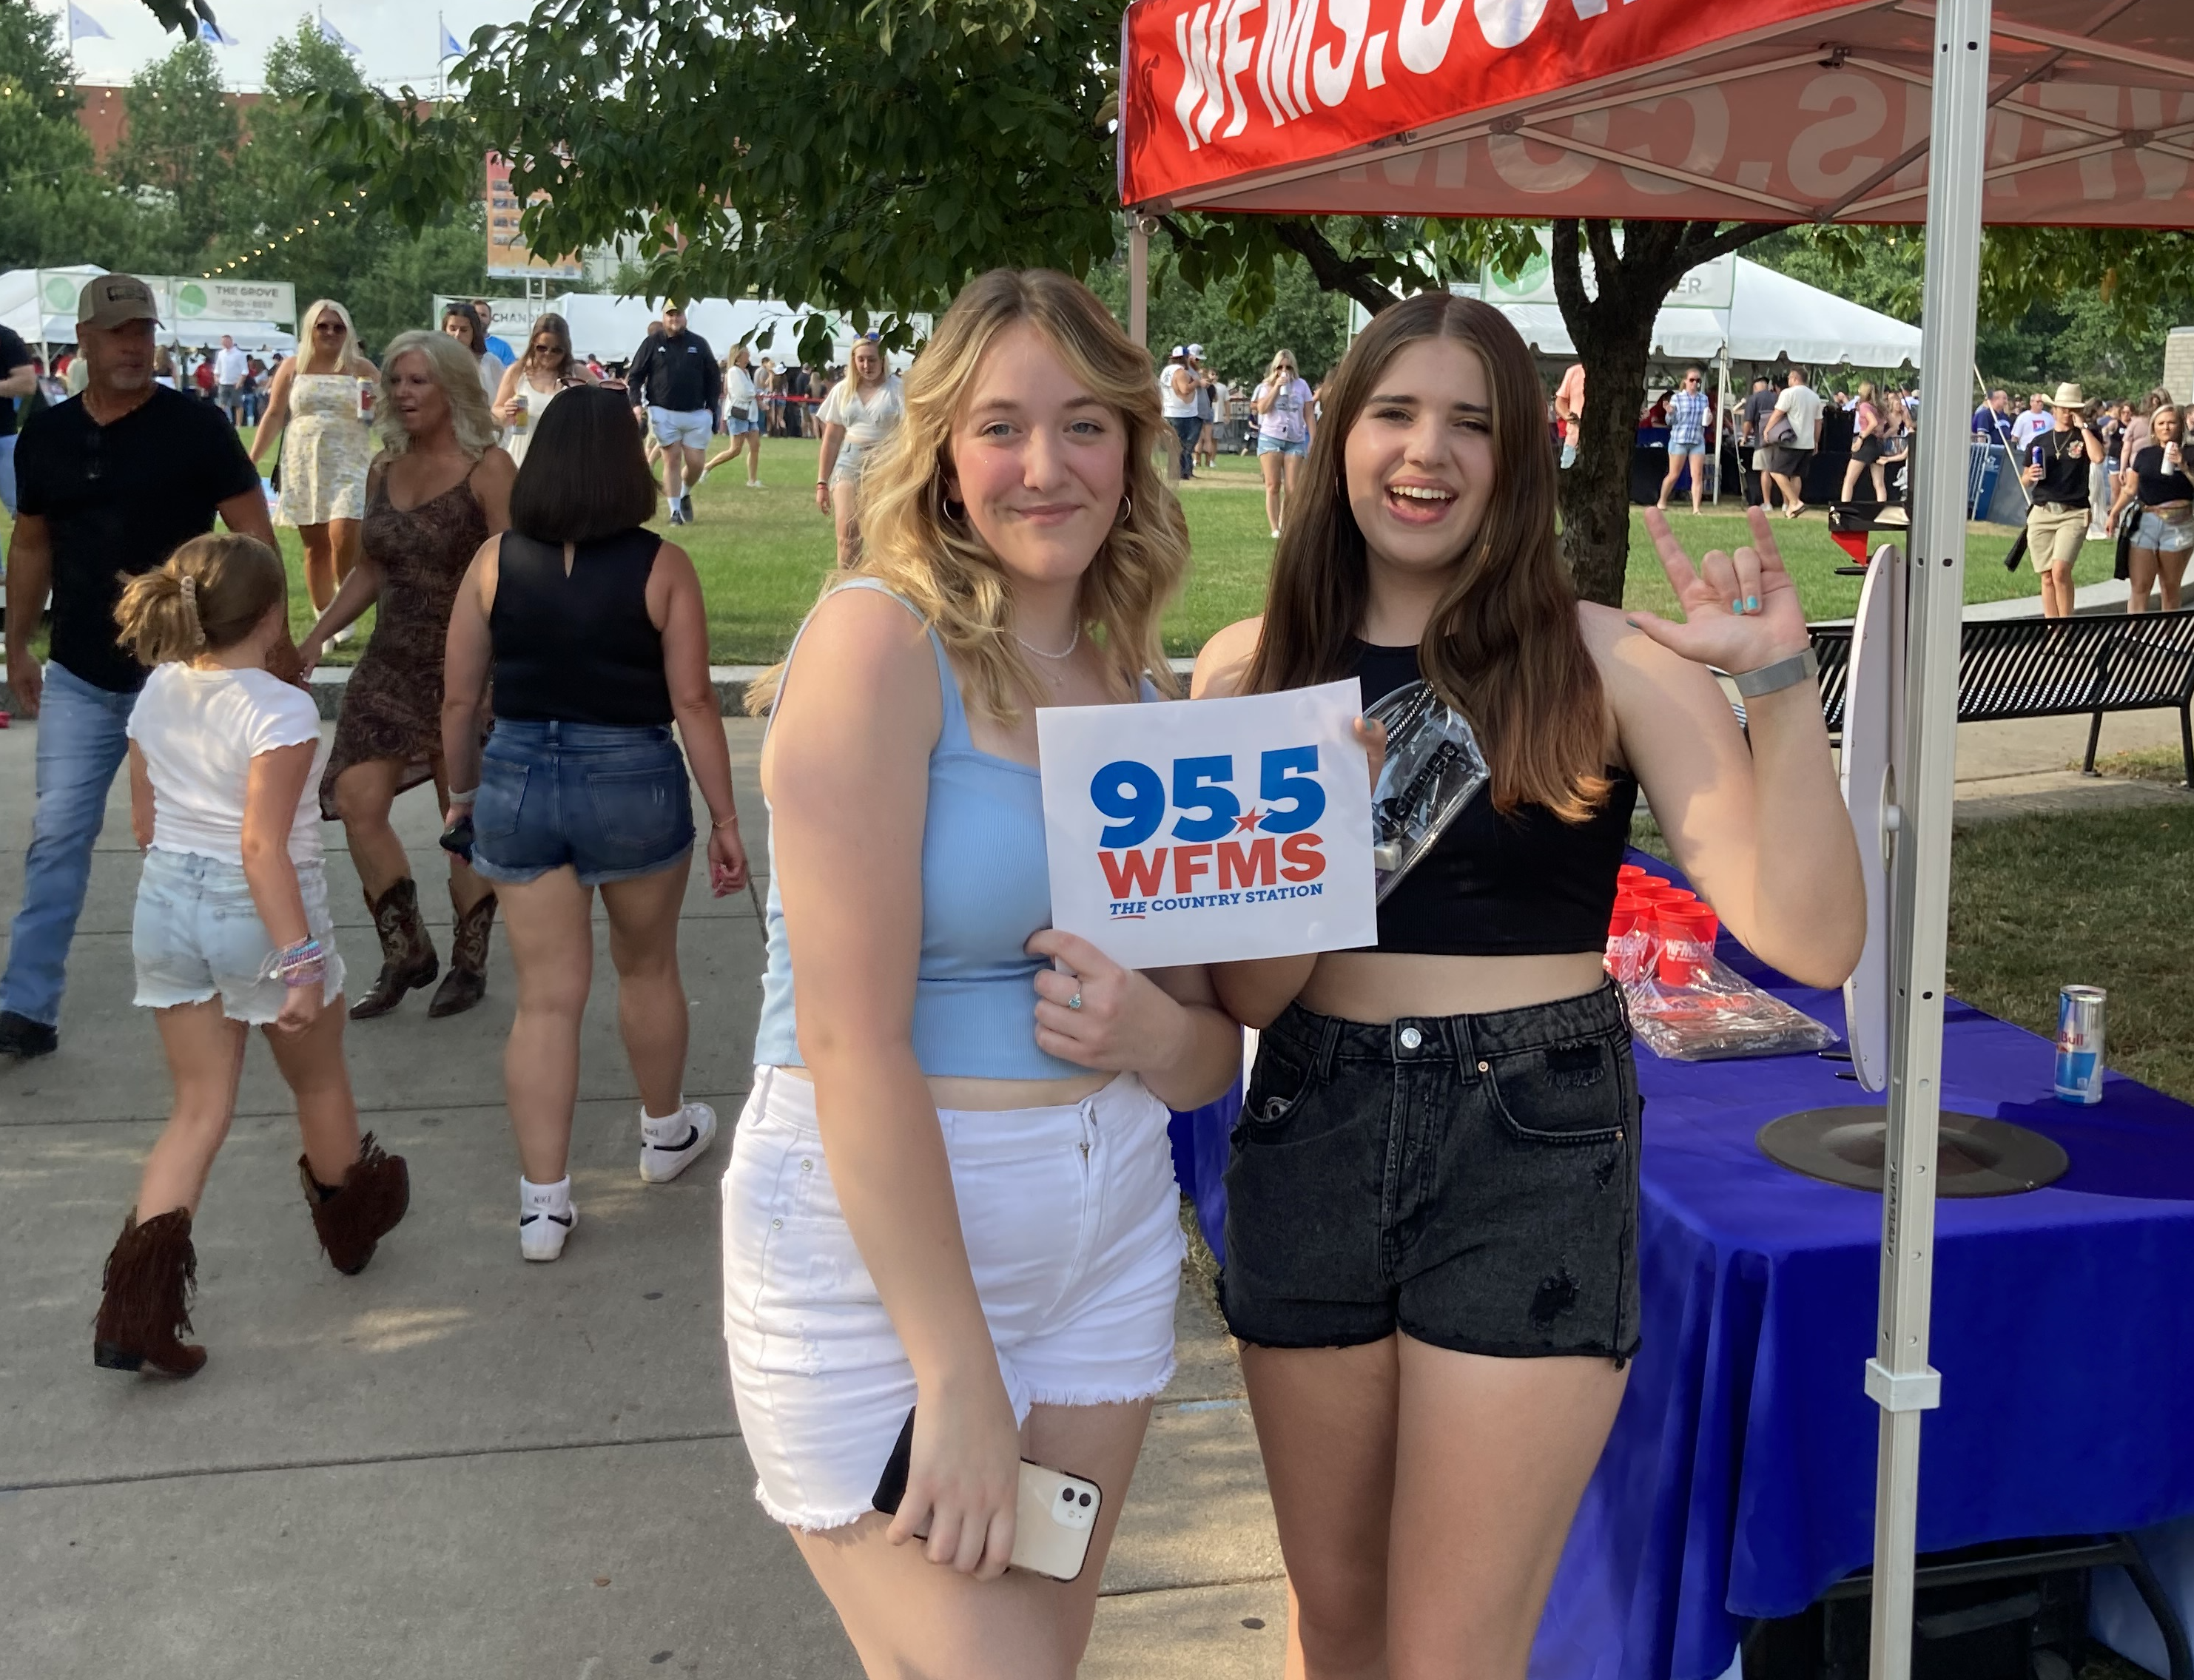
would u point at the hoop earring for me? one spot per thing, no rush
(1127, 512)
(954, 511)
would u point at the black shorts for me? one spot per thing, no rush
(1469, 1180)
(1869, 451)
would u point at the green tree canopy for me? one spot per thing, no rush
(180, 153)
(53, 207)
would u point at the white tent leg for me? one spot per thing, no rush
(1899, 1377)
(1138, 281)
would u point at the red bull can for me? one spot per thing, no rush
(2080, 1044)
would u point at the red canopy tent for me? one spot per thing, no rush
(2028, 112)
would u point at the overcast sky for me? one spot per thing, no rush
(396, 39)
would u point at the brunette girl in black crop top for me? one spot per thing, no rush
(1431, 1244)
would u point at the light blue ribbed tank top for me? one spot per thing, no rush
(986, 888)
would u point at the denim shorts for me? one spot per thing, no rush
(1468, 1180)
(1073, 1225)
(2165, 536)
(1283, 446)
(612, 803)
(196, 935)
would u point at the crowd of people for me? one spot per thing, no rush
(949, 1217)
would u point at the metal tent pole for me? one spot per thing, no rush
(1898, 1377)
(1721, 408)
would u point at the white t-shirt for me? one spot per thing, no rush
(2028, 426)
(1803, 405)
(738, 390)
(199, 730)
(229, 367)
(867, 419)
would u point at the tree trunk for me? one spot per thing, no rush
(1613, 331)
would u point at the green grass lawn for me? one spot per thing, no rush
(762, 555)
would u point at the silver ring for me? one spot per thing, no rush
(1074, 1002)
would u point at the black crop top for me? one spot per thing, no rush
(578, 649)
(1525, 885)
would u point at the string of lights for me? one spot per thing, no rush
(298, 231)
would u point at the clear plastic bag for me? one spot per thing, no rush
(1686, 1005)
(1432, 768)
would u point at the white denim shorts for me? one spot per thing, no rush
(1073, 1231)
(197, 934)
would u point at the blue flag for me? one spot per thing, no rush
(450, 48)
(329, 32)
(213, 35)
(82, 26)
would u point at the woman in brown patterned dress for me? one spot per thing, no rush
(438, 490)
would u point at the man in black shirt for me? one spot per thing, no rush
(1757, 407)
(2056, 474)
(112, 482)
(18, 378)
(677, 380)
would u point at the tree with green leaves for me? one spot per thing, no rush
(179, 156)
(53, 207)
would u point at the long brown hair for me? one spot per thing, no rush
(1503, 645)
(558, 328)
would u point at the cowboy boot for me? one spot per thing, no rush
(466, 983)
(351, 1216)
(148, 1276)
(407, 955)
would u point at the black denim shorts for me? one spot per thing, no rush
(1469, 1180)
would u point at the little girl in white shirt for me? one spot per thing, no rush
(231, 931)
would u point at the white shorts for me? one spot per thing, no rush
(1071, 1220)
(689, 426)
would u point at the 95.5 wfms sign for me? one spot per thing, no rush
(1210, 830)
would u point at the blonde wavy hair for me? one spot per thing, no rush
(456, 370)
(934, 559)
(350, 351)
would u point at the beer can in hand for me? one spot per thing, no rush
(2080, 1044)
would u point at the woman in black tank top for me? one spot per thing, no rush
(598, 639)
(1432, 1218)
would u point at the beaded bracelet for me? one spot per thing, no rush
(303, 964)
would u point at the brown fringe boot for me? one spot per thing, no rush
(466, 983)
(148, 1278)
(407, 955)
(356, 1214)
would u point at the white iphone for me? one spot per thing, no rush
(1053, 1520)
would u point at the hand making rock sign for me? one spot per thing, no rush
(1740, 611)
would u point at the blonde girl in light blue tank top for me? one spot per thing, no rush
(952, 1183)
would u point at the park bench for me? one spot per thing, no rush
(2052, 667)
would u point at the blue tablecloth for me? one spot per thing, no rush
(1739, 1479)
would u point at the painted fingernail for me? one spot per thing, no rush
(1737, 606)
(1752, 603)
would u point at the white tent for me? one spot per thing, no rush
(202, 333)
(613, 327)
(40, 303)
(1770, 316)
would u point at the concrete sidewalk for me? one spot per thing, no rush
(456, 1464)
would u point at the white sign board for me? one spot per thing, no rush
(1210, 830)
(187, 300)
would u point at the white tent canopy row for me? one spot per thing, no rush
(1771, 317)
(612, 328)
(39, 304)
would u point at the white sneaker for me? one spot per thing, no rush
(659, 1163)
(541, 1234)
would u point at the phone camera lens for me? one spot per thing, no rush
(1085, 1499)
(1067, 1494)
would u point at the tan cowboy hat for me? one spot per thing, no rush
(2068, 397)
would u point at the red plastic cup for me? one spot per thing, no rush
(1629, 875)
(1686, 932)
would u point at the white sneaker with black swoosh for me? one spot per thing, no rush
(688, 1133)
(545, 1219)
